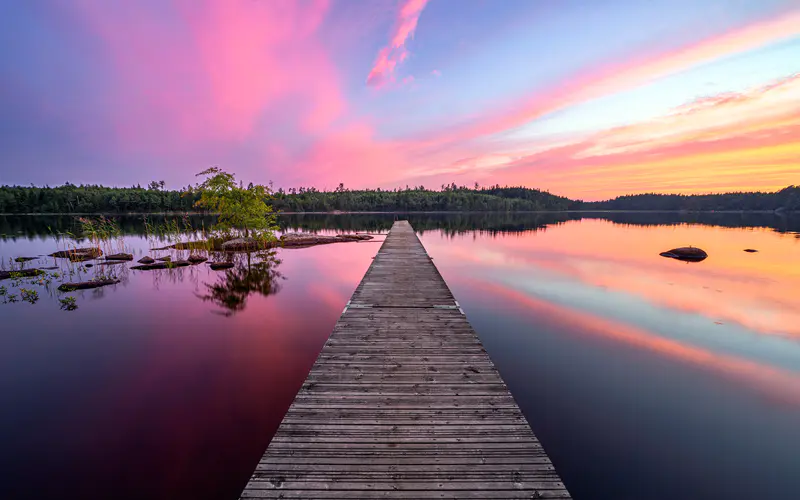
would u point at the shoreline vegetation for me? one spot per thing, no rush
(240, 242)
(155, 199)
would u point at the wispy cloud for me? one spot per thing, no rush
(717, 143)
(391, 56)
(610, 78)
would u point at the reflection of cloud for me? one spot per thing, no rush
(778, 384)
(731, 286)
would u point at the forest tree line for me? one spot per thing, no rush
(100, 199)
(154, 198)
(786, 199)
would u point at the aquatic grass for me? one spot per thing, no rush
(68, 303)
(103, 233)
(29, 295)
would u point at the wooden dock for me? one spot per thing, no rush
(404, 402)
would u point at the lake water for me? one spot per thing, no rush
(643, 377)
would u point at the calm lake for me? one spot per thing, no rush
(643, 377)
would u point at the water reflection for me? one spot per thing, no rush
(247, 277)
(13, 227)
(626, 364)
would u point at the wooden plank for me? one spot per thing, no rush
(404, 402)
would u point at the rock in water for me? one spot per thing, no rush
(78, 254)
(84, 285)
(22, 273)
(146, 260)
(750, 250)
(196, 259)
(307, 239)
(162, 265)
(119, 256)
(239, 244)
(164, 259)
(690, 254)
(217, 266)
(24, 259)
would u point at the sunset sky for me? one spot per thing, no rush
(585, 98)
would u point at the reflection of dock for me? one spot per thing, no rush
(404, 402)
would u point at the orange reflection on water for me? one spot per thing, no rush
(781, 385)
(756, 290)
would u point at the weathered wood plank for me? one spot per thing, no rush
(404, 402)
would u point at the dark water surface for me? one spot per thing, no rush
(644, 377)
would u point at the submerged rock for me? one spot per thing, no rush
(690, 254)
(307, 239)
(239, 244)
(750, 250)
(217, 266)
(162, 265)
(24, 259)
(84, 285)
(146, 260)
(187, 245)
(78, 254)
(196, 259)
(22, 273)
(164, 259)
(119, 256)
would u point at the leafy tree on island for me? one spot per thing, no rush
(239, 208)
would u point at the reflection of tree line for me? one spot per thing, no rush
(43, 226)
(451, 223)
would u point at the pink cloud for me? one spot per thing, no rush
(395, 53)
(609, 79)
(215, 71)
(748, 140)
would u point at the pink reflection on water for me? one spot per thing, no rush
(190, 398)
(755, 290)
(778, 384)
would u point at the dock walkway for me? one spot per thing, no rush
(404, 402)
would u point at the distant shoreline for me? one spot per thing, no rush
(597, 211)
